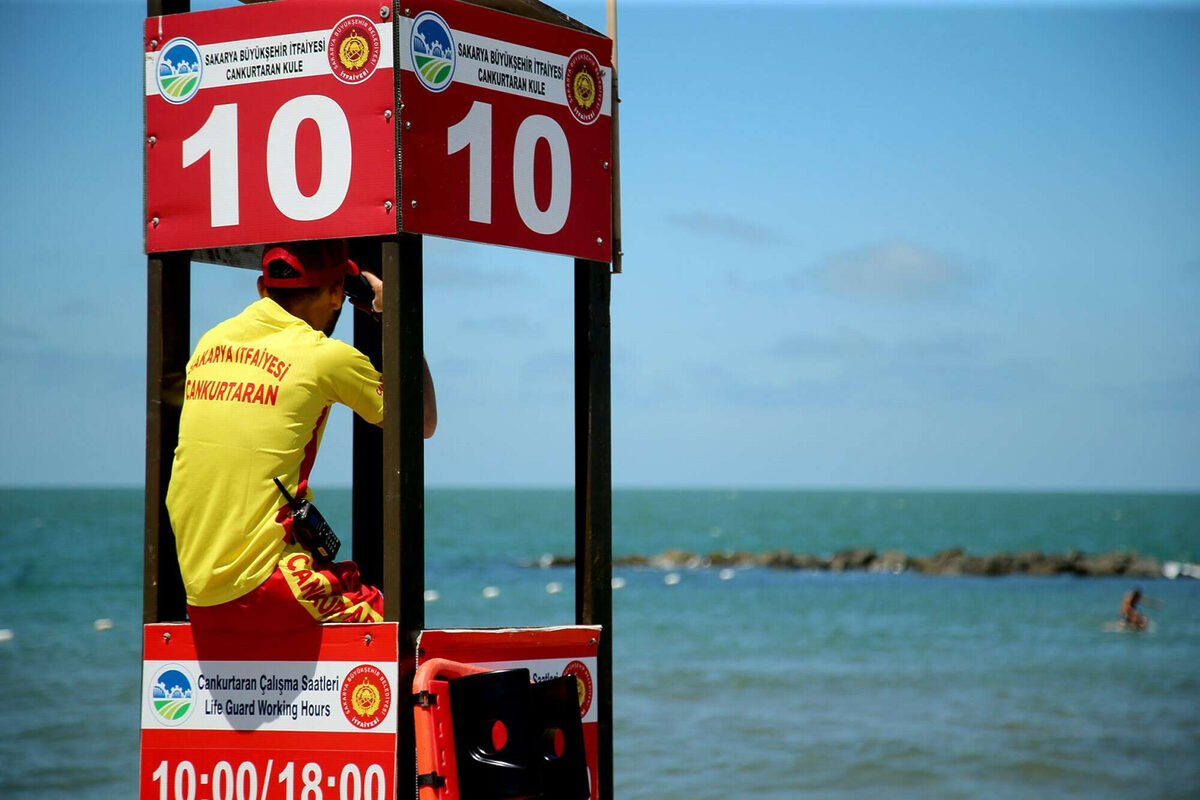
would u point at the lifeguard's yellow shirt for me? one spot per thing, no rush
(259, 388)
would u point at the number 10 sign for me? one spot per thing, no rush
(310, 119)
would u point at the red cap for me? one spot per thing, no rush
(298, 264)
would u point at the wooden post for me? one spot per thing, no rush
(617, 255)
(404, 465)
(593, 486)
(168, 323)
(168, 305)
(367, 471)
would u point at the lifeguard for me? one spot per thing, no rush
(259, 389)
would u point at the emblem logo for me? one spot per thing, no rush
(179, 70)
(432, 47)
(366, 696)
(353, 49)
(585, 86)
(583, 683)
(171, 695)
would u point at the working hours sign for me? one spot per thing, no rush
(309, 119)
(270, 717)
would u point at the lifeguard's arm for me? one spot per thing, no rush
(430, 399)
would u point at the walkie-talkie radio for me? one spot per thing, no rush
(310, 528)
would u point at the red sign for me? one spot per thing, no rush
(269, 122)
(506, 130)
(546, 652)
(277, 121)
(273, 718)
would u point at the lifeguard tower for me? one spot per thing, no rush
(490, 121)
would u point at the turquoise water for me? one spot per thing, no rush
(769, 684)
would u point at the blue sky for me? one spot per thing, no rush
(866, 245)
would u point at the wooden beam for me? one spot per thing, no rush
(168, 323)
(367, 470)
(156, 8)
(404, 468)
(403, 433)
(168, 307)
(617, 255)
(593, 485)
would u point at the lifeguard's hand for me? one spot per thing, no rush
(377, 288)
(366, 293)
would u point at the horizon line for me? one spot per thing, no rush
(812, 488)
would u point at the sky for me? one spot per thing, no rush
(866, 245)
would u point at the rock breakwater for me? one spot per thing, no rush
(948, 562)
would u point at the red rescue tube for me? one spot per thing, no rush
(436, 764)
(444, 669)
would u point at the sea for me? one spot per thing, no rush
(750, 683)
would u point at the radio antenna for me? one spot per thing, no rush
(295, 506)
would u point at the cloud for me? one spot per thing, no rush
(740, 390)
(75, 307)
(451, 276)
(726, 226)
(1177, 391)
(77, 419)
(876, 384)
(453, 264)
(453, 366)
(1178, 394)
(844, 344)
(73, 374)
(511, 325)
(554, 366)
(852, 369)
(851, 347)
(894, 270)
(12, 334)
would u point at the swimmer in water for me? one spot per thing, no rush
(1131, 617)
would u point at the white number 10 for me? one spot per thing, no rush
(217, 138)
(474, 132)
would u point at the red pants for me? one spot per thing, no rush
(297, 595)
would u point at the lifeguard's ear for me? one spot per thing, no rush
(337, 293)
(262, 287)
